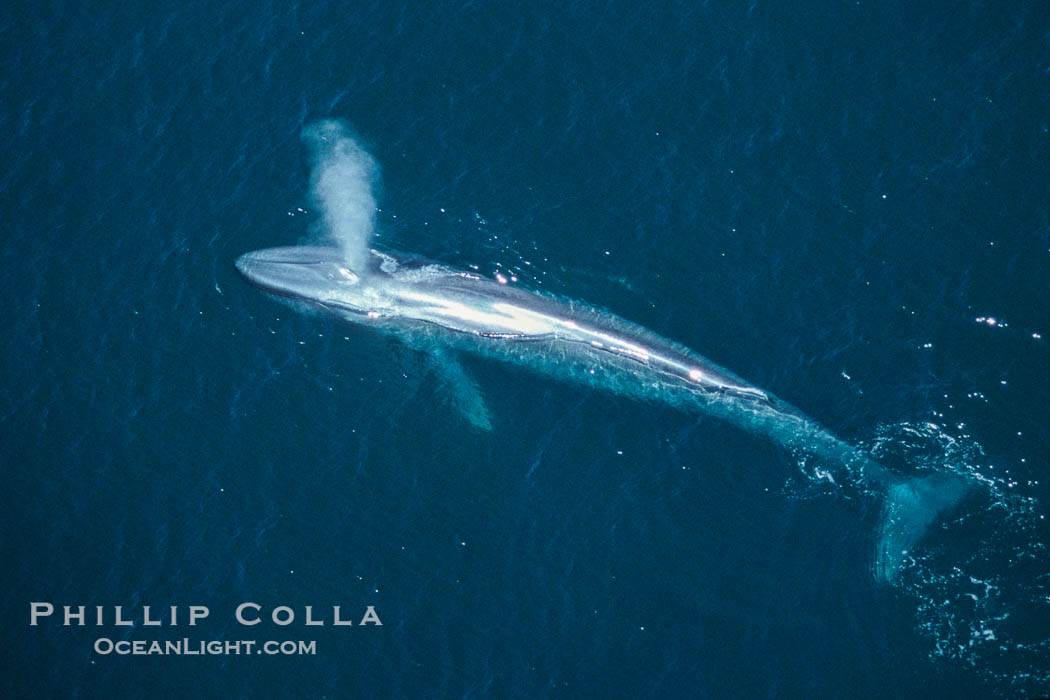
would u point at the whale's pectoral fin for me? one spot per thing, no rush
(460, 390)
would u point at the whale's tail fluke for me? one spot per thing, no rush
(911, 506)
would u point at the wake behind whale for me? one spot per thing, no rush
(443, 312)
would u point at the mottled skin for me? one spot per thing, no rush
(439, 309)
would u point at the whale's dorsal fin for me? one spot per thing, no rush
(459, 388)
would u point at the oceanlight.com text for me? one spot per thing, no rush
(105, 646)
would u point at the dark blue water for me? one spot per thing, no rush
(845, 204)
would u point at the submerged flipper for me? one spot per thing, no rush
(910, 508)
(460, 390)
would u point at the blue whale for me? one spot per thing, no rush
(445, 312)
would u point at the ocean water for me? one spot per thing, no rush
(844, 203)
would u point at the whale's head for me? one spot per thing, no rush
(316, 274)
